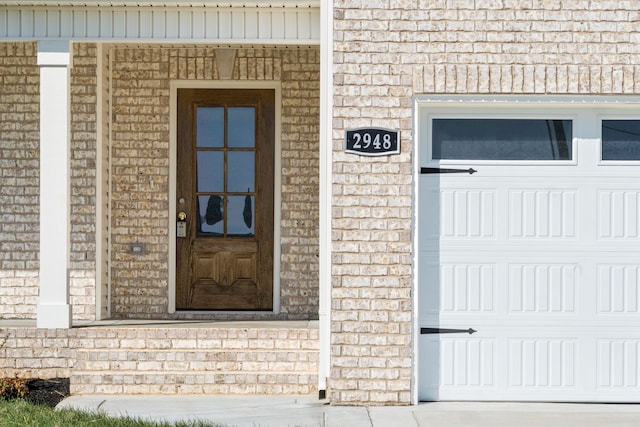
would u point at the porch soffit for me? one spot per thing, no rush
(232, 21)
(162, 3)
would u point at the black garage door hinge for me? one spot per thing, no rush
(427, 331)
(470, 171)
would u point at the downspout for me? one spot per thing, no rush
(326, 143)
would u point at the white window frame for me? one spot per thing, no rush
(602, 118)
(499, 114)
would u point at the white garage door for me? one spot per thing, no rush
(538, 251)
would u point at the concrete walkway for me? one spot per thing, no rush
(309, 412)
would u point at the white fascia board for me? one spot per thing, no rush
(575, 101)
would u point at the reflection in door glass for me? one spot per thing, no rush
(210, 169)
(502, 139)
(621, 140)
(242, 127)
(210, 127)
(241, 214)
(210, 216)
(241, 171)
(225, 165)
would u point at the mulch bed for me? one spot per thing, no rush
(47, 392)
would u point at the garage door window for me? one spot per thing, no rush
(621, 140)
(501, 139)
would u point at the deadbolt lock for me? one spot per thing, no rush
(181, 225)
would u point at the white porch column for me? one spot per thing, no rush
(54, 59)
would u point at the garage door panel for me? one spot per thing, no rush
(473, 367)
(429, 295)
(536, 288)
(542, 288)
(553, 363)
(429, 230)
(472, 362)
(467, 288)
(459, 214)
(541, 213)
(542, 362)
(618, 289)
(429, 371)
(618, 364)
(467, 213)
(618, 214)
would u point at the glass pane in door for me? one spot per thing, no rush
(242, 127)
(241, 171)
(210, 170)
(226, 171)
(241, 214)
(210, 216)
(210, 127)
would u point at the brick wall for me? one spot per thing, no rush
(140, 181)
(167, 359)
(83, 181)
(37, 353)
(140, 167)
(387, 52)
(20, 185)
(300, 180)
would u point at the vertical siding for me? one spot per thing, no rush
(273, 24)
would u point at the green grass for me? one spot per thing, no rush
(19, 413)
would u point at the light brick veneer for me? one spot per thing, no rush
(83, 181)
(139, 124)
(384, 54)
(140, 159)
(167, 359)
(19, 183)
(20, 186)
(197, 361)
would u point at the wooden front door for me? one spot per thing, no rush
(224, 200)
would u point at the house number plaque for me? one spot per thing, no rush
(372, 141)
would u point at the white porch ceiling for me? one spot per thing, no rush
(233, 22)
(161, 3)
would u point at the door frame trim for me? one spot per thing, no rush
(173, 173)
